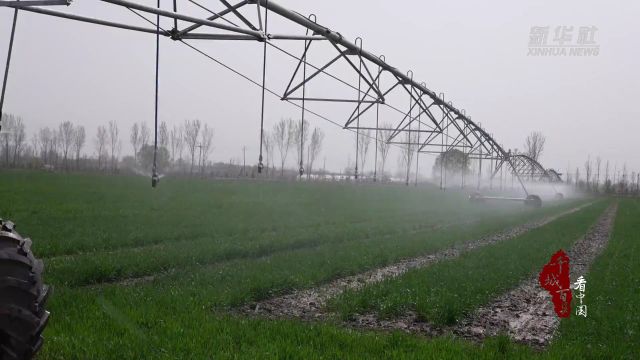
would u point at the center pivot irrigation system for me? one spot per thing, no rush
(428, 125)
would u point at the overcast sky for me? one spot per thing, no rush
(474, 52)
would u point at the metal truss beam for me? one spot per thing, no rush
(212, 18)
(131, 5)
(468, 136)
(28, 3)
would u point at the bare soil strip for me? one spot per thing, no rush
(310, 304)
(526, 313)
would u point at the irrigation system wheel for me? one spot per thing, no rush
(22, 296)
(476, 197)
(533, 201)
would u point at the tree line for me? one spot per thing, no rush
(287, 135)
(184, 148)
(596, 178)
(61, 147)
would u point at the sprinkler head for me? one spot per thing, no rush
(155, 180)
(260, 167)
(301, 170)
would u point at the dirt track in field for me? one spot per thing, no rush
(526, 313)
(310, 304)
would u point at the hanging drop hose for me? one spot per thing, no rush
(418, 146)
(446, 151)
(155, 178)
(359, 90)
(307, 43)
(6, 69)
(375, 160)
(442, 156)
(304, 94)
(264, 80)
(409, 137)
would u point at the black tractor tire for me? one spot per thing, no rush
(22, 296)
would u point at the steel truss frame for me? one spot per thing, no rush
(530, 169)
(444, 126)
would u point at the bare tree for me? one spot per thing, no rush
(35, 144)
(13, 138)
(317, 137)
(66, 140)
(55, 144)
(588, 168)
(114, 142)
(623, 182)
(383, 145)
(134, 137)
(207, 144)
(31, 151)
(268, 143)
(300, 138)
(163, 135)
(45, 143)
(191, 134)
(364, 140)
(177, 142)
(118, 152)
(101, 144)
(283, 133)
(19, 135)
(597, 183)
(407, 151)
(534, 145)
(181, 143)
(78, 142)
(144, 134)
